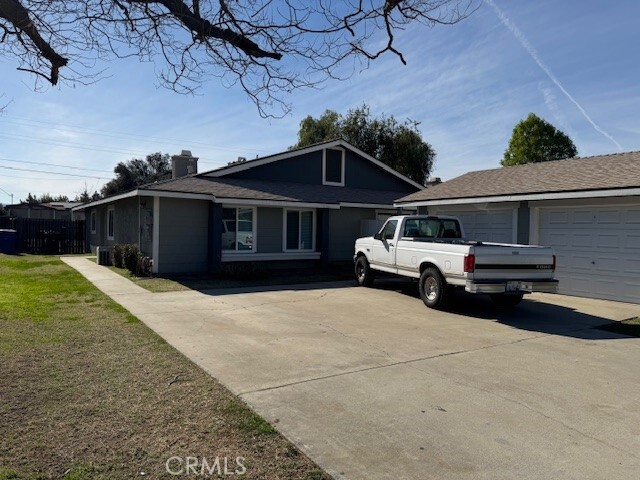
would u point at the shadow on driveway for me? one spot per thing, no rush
(531, 315)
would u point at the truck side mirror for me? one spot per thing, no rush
(377, 236)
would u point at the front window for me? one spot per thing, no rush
(238, 229)
(299, 230)
(110, 223)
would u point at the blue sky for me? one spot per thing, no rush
(574, 63)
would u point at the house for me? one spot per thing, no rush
(303, 205)
(587, 209)
(50, 210)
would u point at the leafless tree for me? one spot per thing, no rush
(267, 47)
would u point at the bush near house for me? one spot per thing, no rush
(130, 257)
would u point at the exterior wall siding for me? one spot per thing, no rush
(344, 228)
(305, 168)
(125, 223)
(361, 173)
(269, 230)
(184, 236)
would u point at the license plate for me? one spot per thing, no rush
(516, 286)
(512, 286)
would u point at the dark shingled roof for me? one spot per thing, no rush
(618, 170)
(274, 191)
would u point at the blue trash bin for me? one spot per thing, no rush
(8, 241)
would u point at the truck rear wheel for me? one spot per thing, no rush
(433, 288)
(364, 274)
(507, 299)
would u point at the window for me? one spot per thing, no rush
(92, 221)
(238, 229)
(389, 230)
(299, 230)
(432, 228)
(110, 223)
(333, 167)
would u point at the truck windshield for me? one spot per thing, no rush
(432, 228)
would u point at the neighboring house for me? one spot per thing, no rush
(308, 204)
(50, 211)
(587, 209)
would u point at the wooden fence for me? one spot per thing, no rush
(53, 237)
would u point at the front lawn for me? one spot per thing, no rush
(88, 391)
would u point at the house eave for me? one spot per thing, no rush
(145, 193)
(616, 192)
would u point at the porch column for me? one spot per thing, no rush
(322, 239)
(523, 223)
(156, 235)
(215, 237)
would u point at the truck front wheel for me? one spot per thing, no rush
(433, 288)
(364, 274)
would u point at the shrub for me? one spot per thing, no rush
(144, 266)
(118, 255)
(131, 254)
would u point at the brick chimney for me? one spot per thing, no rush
(183, 164)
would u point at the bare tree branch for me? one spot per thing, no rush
(266, 47)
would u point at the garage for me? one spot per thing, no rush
(487, 224)
(597, 248)
(587, 209)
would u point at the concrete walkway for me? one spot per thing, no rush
(373, 385)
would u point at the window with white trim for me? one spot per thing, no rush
(111, 216)
(92, 221)
(239, 229)
(299, 230)
(333, 167)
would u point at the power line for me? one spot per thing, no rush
(80, 146)
(54, 165)
(116, 134)
(51, 173)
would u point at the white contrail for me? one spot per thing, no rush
(534, 54)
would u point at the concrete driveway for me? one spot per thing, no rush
(373, 385)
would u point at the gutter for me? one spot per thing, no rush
(618, 192)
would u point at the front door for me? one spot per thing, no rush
(383, 251)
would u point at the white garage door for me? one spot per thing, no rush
(597, 248)
(490, 225)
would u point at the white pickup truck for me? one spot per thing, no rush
(433, 250)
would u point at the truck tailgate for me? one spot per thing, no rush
(512, 262)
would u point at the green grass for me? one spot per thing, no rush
(89, 392)
(630, 327)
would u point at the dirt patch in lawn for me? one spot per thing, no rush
(88, 391)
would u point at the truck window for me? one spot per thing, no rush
(431, 228)
(389, 230)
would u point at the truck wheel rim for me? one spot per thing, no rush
(431, 288)
(360, 271)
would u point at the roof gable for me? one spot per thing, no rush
(603, 172)
(235, 168)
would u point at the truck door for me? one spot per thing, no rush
(383, 252)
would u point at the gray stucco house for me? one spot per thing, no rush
(302, 205)
(587, 209)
